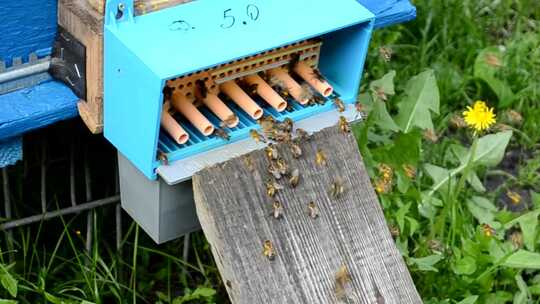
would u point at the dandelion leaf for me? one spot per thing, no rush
(421, 98)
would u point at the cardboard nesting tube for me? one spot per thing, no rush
(233, 90)
(294, 88)
(221, 110)
(183, 105)
(307, 73)
(267, 93)
(174, 129)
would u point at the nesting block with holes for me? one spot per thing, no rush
(185, 86)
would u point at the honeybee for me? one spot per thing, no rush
(429, 134)
(282, 166)
(268, 250)
(340, 105)
(250, 89)
(360, 111)
(274, 170)
(280, 135)
(272, 187)
(294, 178)
(379, 92)
(162, 156)
(307, 93)
(343, 125)
(319, 99)
(286, 125)
(257, 136)
(385, 53)
(271, 152)
(277, 210)
(313, 210)
(320, 158)
(295, 58)
(336, 188)
(295, 150)
(317, 75)
(201, 88)
(228, 121)
(248, 161)
(219, 132)
(343, 278)
(302, 134)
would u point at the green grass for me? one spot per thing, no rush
(442, 233)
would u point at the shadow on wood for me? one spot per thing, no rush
(234, 210)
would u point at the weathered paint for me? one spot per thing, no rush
(26, 26)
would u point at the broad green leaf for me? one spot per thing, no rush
(469, 300)
(8, 282)
(475, 182)
(384, 85)
(503, 91)
(484, 203)
(427, 263)
(204, 292)
(428, 207)
(463, 155)
(381, 117)
(482, 215)
(465, 265)
(491, 148)
(400, 215)
(87, 302)
(488, 62)
(5, 301)
(523, 259)
(413, 225)
(440, 177)
(523, 296)
(421, 98)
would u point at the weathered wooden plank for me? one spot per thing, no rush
(233, 208)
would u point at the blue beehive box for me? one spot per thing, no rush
(144, 54)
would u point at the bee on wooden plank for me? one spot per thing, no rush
(162, 156)
(320, 158)
(294, 178)
(271, 152)
(268, 250)
(257, 136)
(282, 166)
(219, 132)
(268, 124)
(295, 149)
(343, 125)
(343, 278)
(340, 105)
(274, 170)
(277, 210)
(302, 134)
(281, 136)
(336, 188)
(313, 210)
(317, 75)
(201, 88)
(272, 188)
(293, 62)
(248, 161)
(228, 121)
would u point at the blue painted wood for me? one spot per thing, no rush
(26, 26)
(10, 151)
(35, 107)
(389, 12)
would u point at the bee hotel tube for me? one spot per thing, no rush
(290, 84)
(307, 73)
(231, 89)
(173, 128)
(220, 109)
(267, 93)
(183, 105)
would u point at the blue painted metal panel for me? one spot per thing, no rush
(390, 12)
(26, 26)
(164, 46)
(35, 107)
(10, 151)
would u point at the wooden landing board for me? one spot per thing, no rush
(234, 208)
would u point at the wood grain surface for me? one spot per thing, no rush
(234, 211)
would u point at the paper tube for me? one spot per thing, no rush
(307, 73)
(267, 93)
(241, 99)
(183, 105)
(220, 109)
(173, 128)
(290, 84)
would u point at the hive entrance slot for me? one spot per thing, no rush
(212, 107)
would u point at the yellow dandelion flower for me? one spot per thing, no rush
(479, 117)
